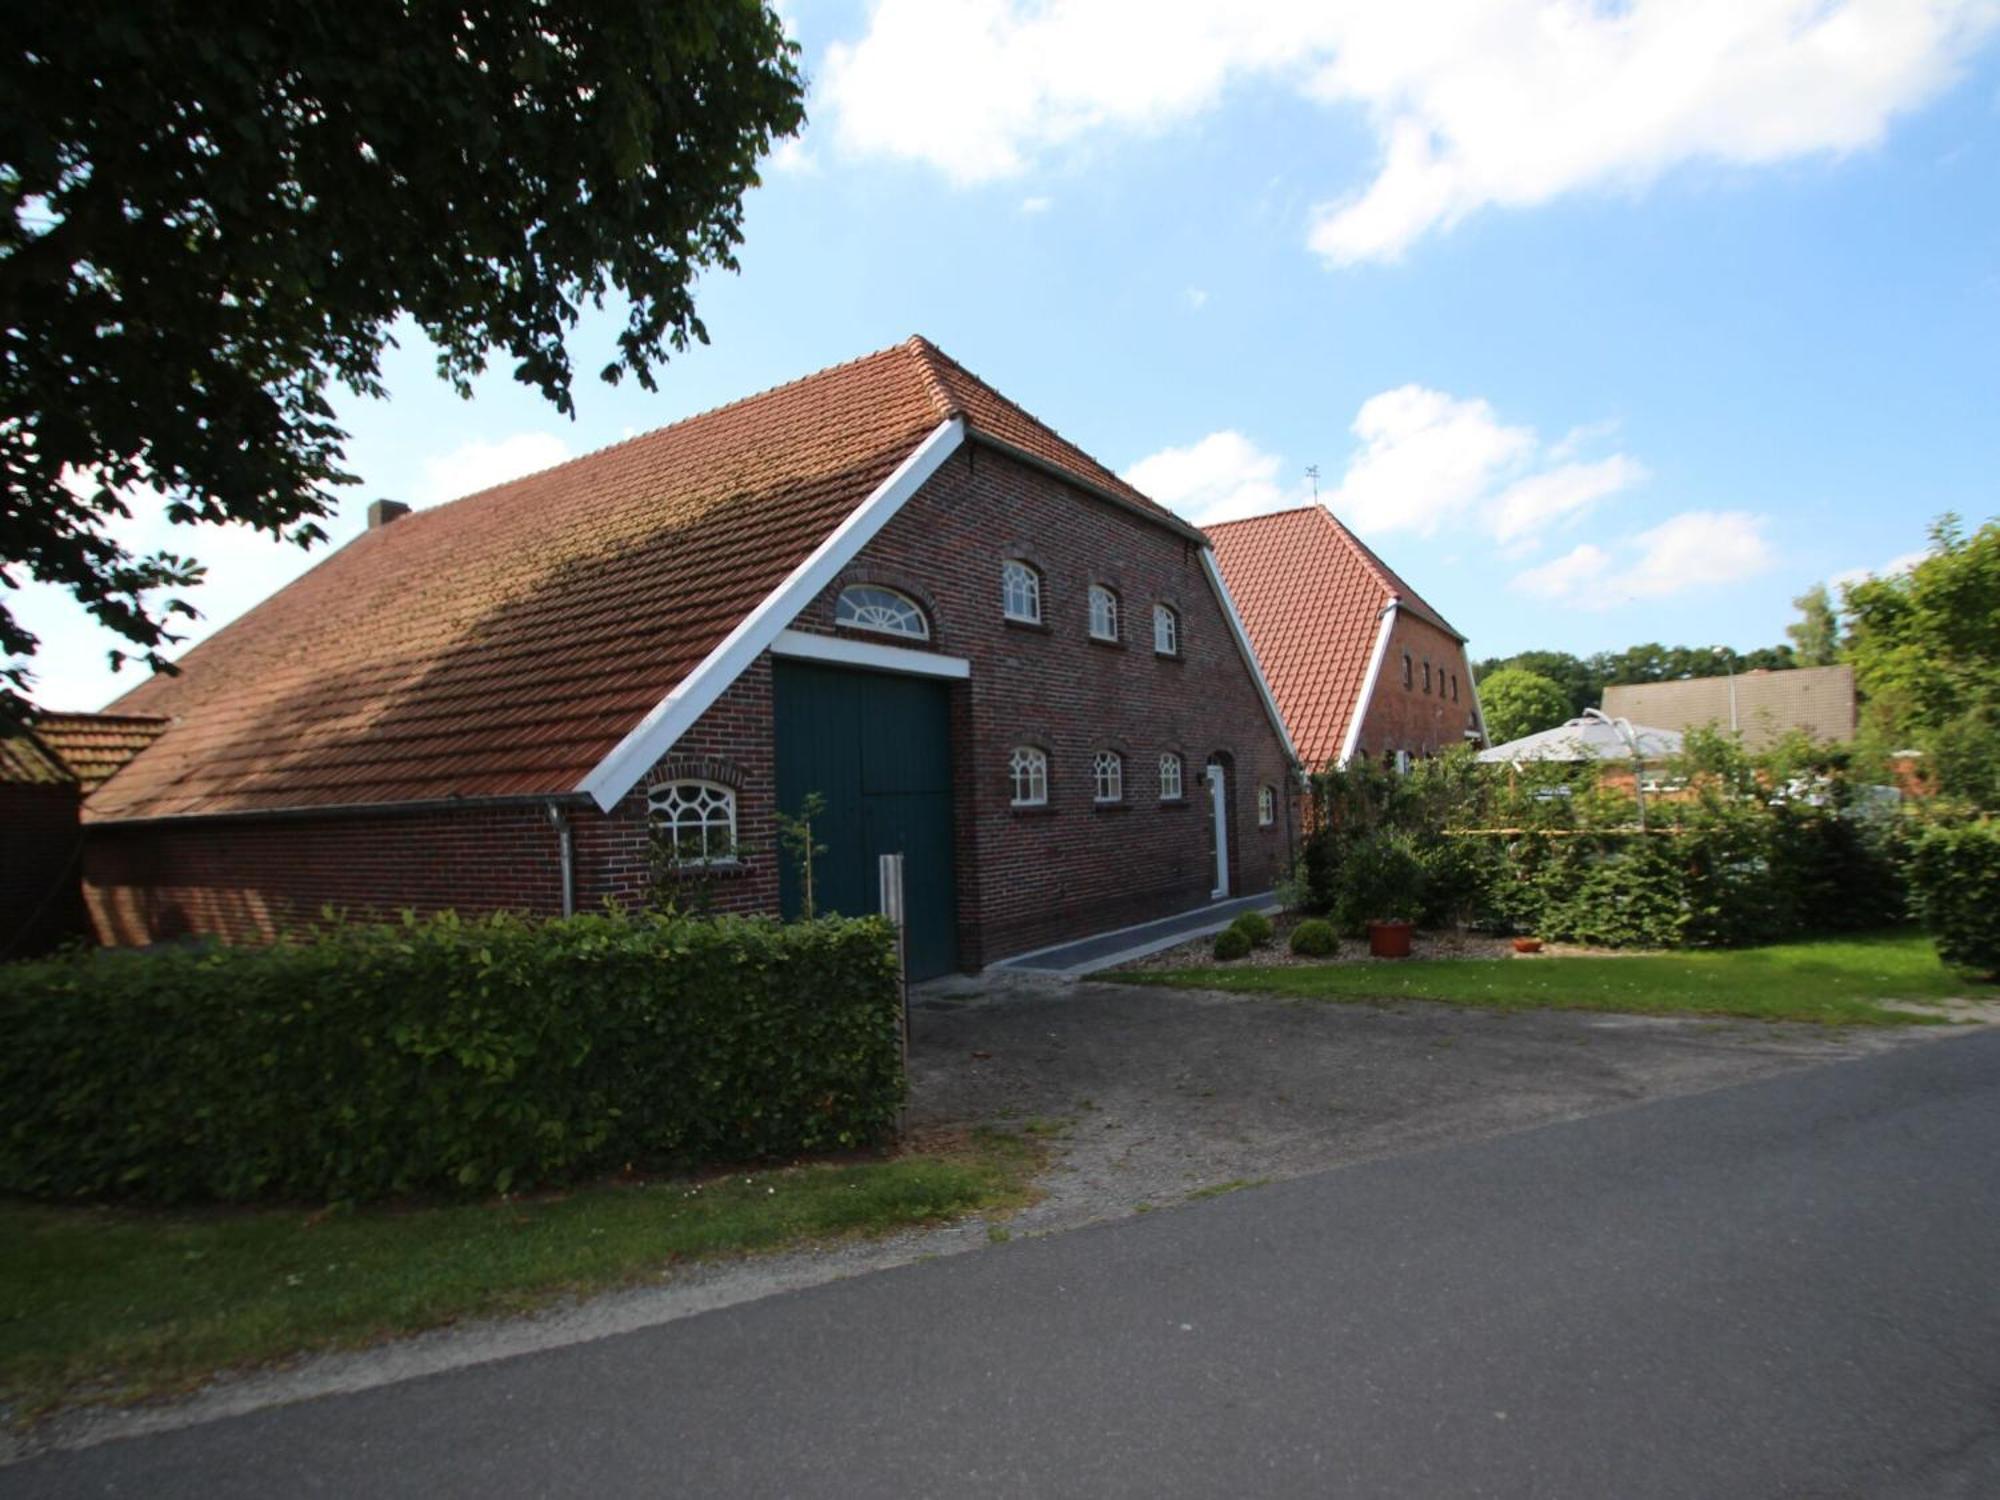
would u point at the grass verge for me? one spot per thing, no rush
(1840, 982)
(103, 1304)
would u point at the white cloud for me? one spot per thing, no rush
(1426, 461)
(1888, 569)
(791, 158)
(1196, 298)
(1224, 477)
(479, 465)
(1473, 103)
(1696, 549)
(1032, 206)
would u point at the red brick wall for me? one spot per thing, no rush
(40, 899)
(1025, 878)
(1401, 717)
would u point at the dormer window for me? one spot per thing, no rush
(863, 606)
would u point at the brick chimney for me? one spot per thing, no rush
(382, 512)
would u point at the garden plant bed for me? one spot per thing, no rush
(1886, 979)
(1277, 954)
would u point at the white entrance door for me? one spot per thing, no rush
(1218, 807)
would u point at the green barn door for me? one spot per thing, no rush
(878, 749)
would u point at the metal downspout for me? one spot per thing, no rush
(565, 856)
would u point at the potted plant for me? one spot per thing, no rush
(1383, 891)
(1527, 945)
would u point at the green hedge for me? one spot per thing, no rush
(1955, 883)
(443, 1055)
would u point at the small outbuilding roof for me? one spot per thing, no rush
(1312, 595)
(1592, 737)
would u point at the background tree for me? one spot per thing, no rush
(214, 214)
(1583, 679)
(1816, 633)
(1926, 652)
(1518, 703)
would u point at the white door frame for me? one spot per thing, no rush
(1218, 802)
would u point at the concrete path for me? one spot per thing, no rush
(1781, 1288)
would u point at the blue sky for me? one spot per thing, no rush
(1603, 326)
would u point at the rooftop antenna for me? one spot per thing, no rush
(1312, 473)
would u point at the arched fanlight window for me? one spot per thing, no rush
(1107, 776)
(1021, 593)
(1166, 631)
(1028, 771)
(695, 821)
(1103, 613)
(1170, 777)
(863, 606)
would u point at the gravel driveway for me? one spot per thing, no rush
(1149, 1095)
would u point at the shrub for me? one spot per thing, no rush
(1231, 944)
(444, 1055)
(1255, 926)
(1381, 879)
(1634, 897)
(1314, 938)
(1955, 884)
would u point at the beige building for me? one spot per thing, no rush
(1765, 706)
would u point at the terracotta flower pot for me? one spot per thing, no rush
(1389, 939)
(1527, 945)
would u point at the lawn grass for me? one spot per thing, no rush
(1833, 981)
(117, 1304)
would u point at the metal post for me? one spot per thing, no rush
(889, 873)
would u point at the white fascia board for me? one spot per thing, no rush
(1478, 708)
(845, 651)
(611, 778)
(1249, 653)
(1368, 683)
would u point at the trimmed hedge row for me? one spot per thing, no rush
(1955, 885)
(445, 1056)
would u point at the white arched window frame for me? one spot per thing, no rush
(1028, 771)
(1107, 777)
(1267, 806)
(1166, 631)
(1103, 613)
(1021, 593)
(866, 606)
(695, 821)
(1170, 778)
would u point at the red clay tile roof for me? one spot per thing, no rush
(96, 746)
(26, 761)
(502, 644)
(1311, 596)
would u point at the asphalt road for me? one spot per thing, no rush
(1786, 1288)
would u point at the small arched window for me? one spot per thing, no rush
(1409, 671)
(1267, 806)
(1427, 677)
(1028, 770)
(863, 606)
(1021, 593)
(1166, 631)
(1454, 687)
(1107, 777)
(1103, 613)
(1170, 777)
(694, 821)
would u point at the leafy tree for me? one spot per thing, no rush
(1926, 652)
(1518, 703)
(1816, 633)
(213, 216)
(1582, 682)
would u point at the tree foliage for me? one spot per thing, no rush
(1925, 646)
(1584, 678)
(1517, 703)
(1816, 633)
(215, 214)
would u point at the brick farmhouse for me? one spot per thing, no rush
(1359, 664)
(884, 584)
